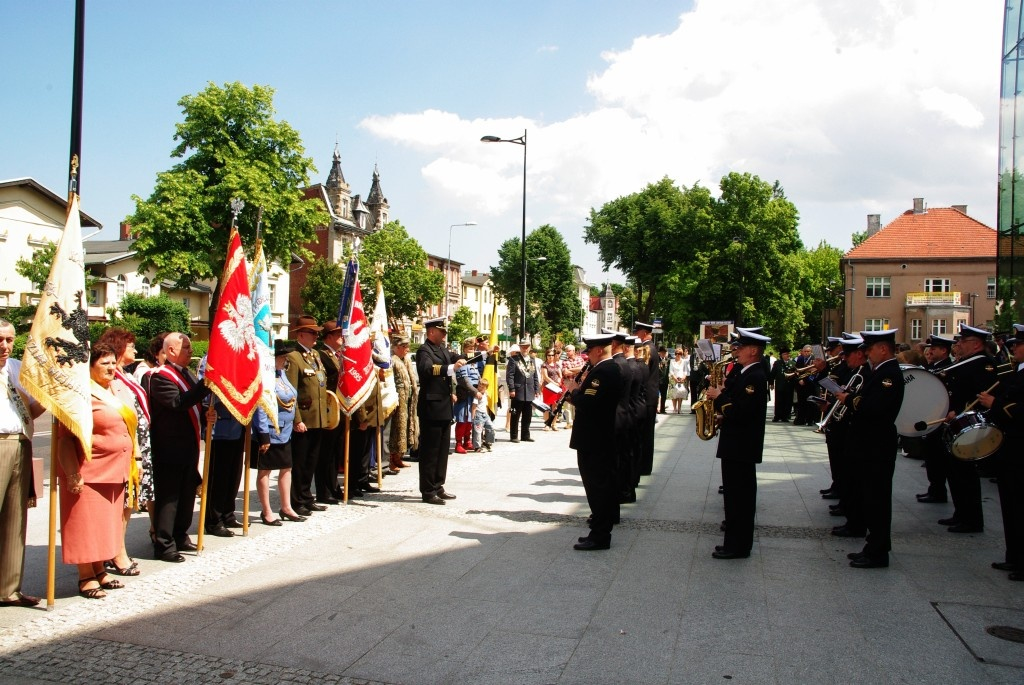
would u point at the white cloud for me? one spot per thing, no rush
(855, 107)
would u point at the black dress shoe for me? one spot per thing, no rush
(275, 522)
(232, 524)
(532, 440)
(445, 495)
(830, 495)
(302, 511)
(317, 507)
(434, 499)
(372, 489)
(729, 554)
(864, 561)
(965, 528)
(833, 507)
(847, 532)
(329, 500)
(1004, 566)
(513, 439)
(825, 491)
(932, 499)
(289, 517)
(951, 521)
(838, 511)
(173, 558)
(220, 532)
(186, 546)
(589, 545)
(855, 555)
(356, 492)
(721, 489)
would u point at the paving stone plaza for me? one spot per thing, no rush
(488, 589)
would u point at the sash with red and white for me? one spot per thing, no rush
(172, 374)
(133, 385)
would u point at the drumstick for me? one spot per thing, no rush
(975, 401)
(922, 425)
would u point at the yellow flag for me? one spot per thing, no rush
(55, 368)
(491, 365)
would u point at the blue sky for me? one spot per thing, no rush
(855, 107)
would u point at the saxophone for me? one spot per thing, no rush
(704, 407)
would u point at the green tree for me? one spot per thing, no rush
(37, 269)
(230, 146)
(821, 284)
(147, 316)
(409, 286)
(461, 326)
(858, 237)
(649, 234)
(553, 306)
(322, 290)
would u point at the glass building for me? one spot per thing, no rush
(1010, 204)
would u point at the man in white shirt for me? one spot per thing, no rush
(17, 411)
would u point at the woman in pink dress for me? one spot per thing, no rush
(92, 491)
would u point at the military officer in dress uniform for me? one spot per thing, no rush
(523, 382)
(332, 454)
(305, 371)
(740, 407)
(851, 375)
(627, 416)
(1007, 412)
(974, 373)
(594, 432)
(435, 367)
(937, 353)
(645, 332)
(872, 413)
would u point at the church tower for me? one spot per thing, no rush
(377, 204)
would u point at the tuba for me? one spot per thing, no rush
(704, 407)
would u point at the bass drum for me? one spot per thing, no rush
(925, 400)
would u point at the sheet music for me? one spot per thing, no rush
(830, 385)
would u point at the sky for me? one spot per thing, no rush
(855, 106)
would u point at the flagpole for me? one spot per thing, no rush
(245, 488)
(379, 430)
(51, 551)
(344, 478)
(211, 419)
(75, 154)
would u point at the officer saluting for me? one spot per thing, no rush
(594, 439)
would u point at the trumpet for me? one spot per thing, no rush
(811, 369)
(838, 410)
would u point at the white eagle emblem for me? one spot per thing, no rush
(238, 329)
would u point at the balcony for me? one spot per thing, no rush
(932, 299)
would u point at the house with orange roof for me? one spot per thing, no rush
(928, 271)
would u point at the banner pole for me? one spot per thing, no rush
(245, 480)
(344, 494)
(380, 439)
(210, 421)
(51, 551)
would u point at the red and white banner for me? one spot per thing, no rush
(232, 363)
(358, 373)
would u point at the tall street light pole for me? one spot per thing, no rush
(518, 141)
(447, 265)
(539, 260)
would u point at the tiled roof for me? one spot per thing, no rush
(939, 232)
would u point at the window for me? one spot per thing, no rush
(94, 297)
(876, 324)
(936, 285)
(120, 287)
(878, 286)
(145, 287)
(187, 301)
(608, 318)
(938, 326)
(609, 304)
(990, 289)
(271, 295)
(915, 329)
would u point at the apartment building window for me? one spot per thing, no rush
(271, 295)
(144, 290)
(188, 303)
(936, 285)
(990, 289)
(876, 324)
(878, 286)
(938, 326)
(915, 329)
(120, 287)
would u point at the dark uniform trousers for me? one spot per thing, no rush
(435, 439)
(305, 453)
(225, 474)
(359, 446)
(964, 483)
(325, 474)
(934, 451)
(740, 480)
(877, 471)
(601, 483)
(1011, 498)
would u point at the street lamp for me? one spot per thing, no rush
(518, 141)
(542, 258)
(447, 265)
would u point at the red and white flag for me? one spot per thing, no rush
(233, 363)
(358, 373)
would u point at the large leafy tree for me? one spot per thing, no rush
(648, 234)
(552, 303)
(230, 146)
(322, 290)
(409, 286)
(461, 326)
(821, 285)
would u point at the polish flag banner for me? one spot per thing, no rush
(358, 373)
(233, 362)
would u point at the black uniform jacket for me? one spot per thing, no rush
(596, 402)
(965, 382)
(433, 363)
(171, 430)
(1008, 408)
(872, 411)
(651, 375)
(629, 400)
(742, 404)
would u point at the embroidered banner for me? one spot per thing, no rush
(358, 374)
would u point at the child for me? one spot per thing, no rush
(482, 420)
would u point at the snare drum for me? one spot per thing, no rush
(970, 437)
(925, 400)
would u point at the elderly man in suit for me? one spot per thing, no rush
(174, 398)
(523, 383)
(17, 411)
(305, 371)
(435, 367)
